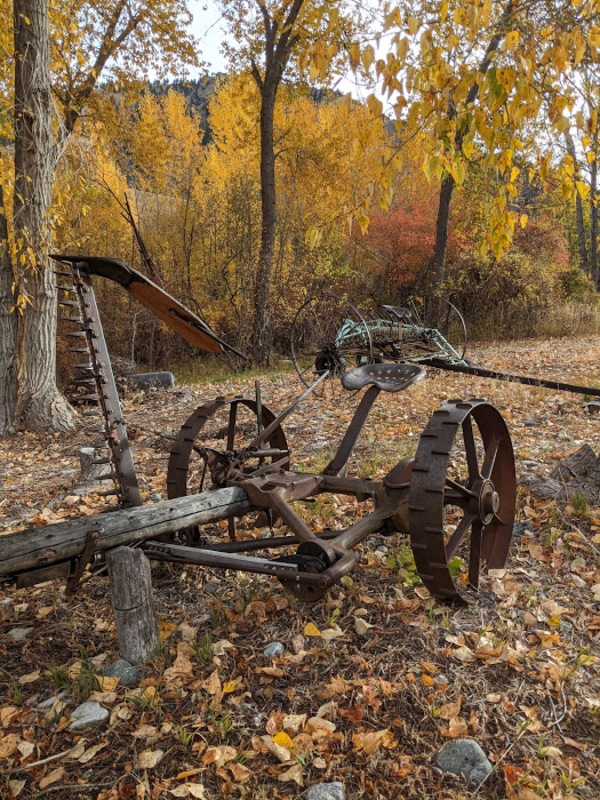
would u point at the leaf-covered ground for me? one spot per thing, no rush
(374, 679)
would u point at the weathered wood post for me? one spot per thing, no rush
(131, 590)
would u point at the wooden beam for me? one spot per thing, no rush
(34, 548)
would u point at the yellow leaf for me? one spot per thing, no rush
(412, 23)
(166, 628)
(107, 683)
(8, 745)
(283, 740)
(229, 687)
(311, 630)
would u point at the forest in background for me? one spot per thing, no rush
(186, 156)
(468, 172)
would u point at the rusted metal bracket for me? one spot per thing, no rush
(79, 564)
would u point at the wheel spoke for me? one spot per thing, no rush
(490, 459)
(475, 554)
(470, 449)
(458, 535)
(463, 491)
(231, 426)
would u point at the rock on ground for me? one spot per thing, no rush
(464, 757)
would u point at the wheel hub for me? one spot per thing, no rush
(489, 502)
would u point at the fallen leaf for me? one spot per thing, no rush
(361, 626)
(219, 755)
(332, 633)
(282, 753)
(221, 647)
(450, 710)
(25, 748)
(240, 773)
(16, 787)
(311, 630)
(52, 777)
(196, 790)
(8, 745)
(283, 740)
(166, 629)
(213, 683)
(293, 723)
(145, 732)
(292, 774)
(31, 677)
(148, 759)
(458, 728)
(107, 683)
(369, 743)
(89, 754)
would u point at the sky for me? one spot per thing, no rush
(208, 28)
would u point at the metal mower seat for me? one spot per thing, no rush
(401, 314)
(387, 377)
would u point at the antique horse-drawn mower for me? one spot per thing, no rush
(455, 498)
(329, 333)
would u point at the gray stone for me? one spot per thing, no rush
(464, 757)
(5, 602)
(522, 527)
(155, 497)
(88, 715)
(19, 634)
(325, 791)
(147, 379)
(54, 699)
(127, 674)
(274, 650)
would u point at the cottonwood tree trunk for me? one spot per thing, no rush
(438, 269)
(261, 329)
(39, 405)
(584, 262)
(8, 331)
(594, 199)
(279, 40)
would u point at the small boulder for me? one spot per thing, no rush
(19, 634)
(274, 650)
(325, 791)
(127, 674)
(88, 715)
(464, 757)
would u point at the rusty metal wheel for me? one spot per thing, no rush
(462, 497)
(329, 333)
(444, 335)
(213, 449)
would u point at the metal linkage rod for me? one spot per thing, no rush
(482, 372)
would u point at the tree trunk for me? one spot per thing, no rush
(594, 199)
(448, 183)
(581, 239)
(261, 329)
(441, 233)
(8, 331)
(39, 404)
(440, 251)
